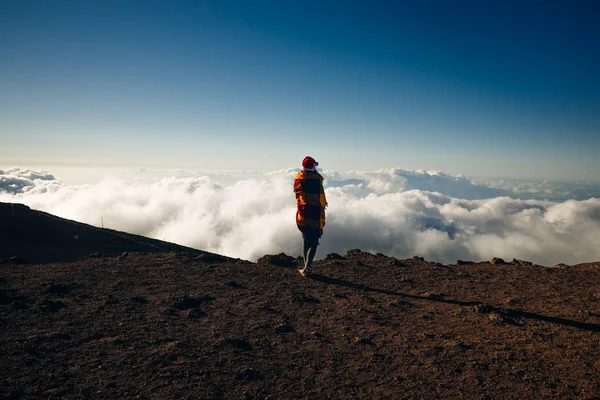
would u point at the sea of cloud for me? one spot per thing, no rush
(397, 212)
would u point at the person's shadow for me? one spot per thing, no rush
(505, 312)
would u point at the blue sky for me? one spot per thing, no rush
(483, 88)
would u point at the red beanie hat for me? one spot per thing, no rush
(309, 162)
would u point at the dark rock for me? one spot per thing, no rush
(521, 263)
(333, 256)
(366, 341)
(169, 311)
(483, 309)
(95, 336)
(497, 261)
(194, 313)
(401, 304)
(139, 300)
(185, 302)
(249, 374)
(462, 262)
(283, 328)
(302, 298)
(237, 344)
(30, 348)
(111, 300)
(354, 253)
(235, 285)
(281, 260)
(52, 306)
(395, 263)
(417, 258)
(59, 288)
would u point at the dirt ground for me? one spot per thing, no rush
(183, 325)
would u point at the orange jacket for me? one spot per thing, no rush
(311, 202)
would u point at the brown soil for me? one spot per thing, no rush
(186, 325)
(179, 325)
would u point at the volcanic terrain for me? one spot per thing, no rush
(141, 318)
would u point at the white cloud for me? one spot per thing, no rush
(396, 212)
(19, 180)
(544, 190)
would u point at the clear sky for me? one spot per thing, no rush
(482, 88)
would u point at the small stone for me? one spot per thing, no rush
(194, 313)
(237, 344)
(283, 328)
(185, 302)
(362, 340)
(52, 306)
(139, 300)
(512, 300)
(482, 309)
(496, 318)
(249, 374)
(111, 300)
(235, 285)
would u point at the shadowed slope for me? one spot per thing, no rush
(40, 237)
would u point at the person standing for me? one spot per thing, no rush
(311, 203)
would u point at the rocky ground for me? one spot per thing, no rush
(140, 318)
(177, 325)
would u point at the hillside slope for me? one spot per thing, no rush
(39, 237)
(177, 325)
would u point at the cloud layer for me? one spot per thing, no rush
(395, 212)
